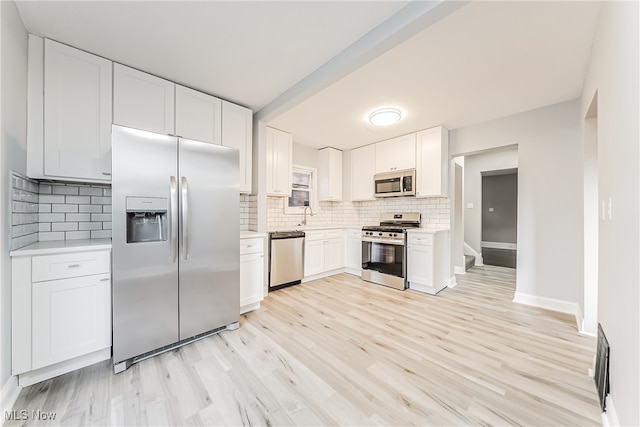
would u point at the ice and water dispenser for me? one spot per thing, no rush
(146, 219)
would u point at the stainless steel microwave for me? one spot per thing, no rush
(396, 183)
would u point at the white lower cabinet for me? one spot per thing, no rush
(71, 317)
(322, 251)
(61, 309)
(427, 260)
(252, 274)
(353, 251)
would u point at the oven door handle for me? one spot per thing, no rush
(384, 241)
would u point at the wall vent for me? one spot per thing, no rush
(602, 368)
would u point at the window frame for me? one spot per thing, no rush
(313, 190)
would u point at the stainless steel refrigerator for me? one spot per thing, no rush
(176, 265)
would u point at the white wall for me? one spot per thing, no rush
(474, 166)
(304, 156)
(13, 134)
(613, 71)
(549, 194)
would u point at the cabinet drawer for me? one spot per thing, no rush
(251, 246)
(314, 235)
(333, 234)
(51, 267)
(423, 239)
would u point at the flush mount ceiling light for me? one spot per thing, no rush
(384, 116)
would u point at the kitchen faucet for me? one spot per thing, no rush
(304, 220)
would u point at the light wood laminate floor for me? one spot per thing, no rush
(340, 351)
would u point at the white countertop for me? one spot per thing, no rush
(317, 227)
(427, 230)
(62, 246)
(245, 234)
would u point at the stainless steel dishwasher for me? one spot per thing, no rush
(286, 258)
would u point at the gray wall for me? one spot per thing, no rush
(500, 208)
(305, 156)
(549, 194)
(13, 133)
(613, 72)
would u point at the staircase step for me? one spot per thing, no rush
(469, 261)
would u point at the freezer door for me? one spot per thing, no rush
(209, 255)
(145, 271)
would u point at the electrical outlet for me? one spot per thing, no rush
(610, 210)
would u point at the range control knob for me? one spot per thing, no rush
(379, 234)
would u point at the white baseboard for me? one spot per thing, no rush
(452, 283)
(33, 377)
(323, 274)
(10, 393)
(547, 303)
(479, 261)
(610, 418)
(581, 329)
(459, 270)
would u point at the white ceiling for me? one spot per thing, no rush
(248, 52)
(484, 61)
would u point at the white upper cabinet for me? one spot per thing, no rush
(70, 126)
(279, 162)
(198, 115)
(143, 101)
(363, 163)
(432, 162)
(396, 154)
(330, 175)
(237, 126)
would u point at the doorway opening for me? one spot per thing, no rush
(500, 217)
(467, 206)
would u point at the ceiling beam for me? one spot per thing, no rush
(407, 22)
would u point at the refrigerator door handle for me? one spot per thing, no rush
(173, 207)
(185, 219)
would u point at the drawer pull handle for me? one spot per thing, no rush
(105, 280)
(73, 266)
(249, 246)
(106, 174)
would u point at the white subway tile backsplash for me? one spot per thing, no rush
(44, 207)
(76, 235)
(90, 226)
(106, 225)
(64, 226)
(51, 217)
(46, 198)
(100, 217)
(44, 189)
(90, 191)
(65, 189)
(64, 208)
(101, 234)
(434, 212)
(78, 217)
(91, 208)
(45, 237)
(78, 199)
(44, 226)
(95, 200)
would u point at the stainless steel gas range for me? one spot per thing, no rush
(384, 249)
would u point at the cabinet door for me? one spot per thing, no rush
(251, 278)
(198, 115)
(279, 162)
(333, 254)
(420, 264)
(432, 158)
(71, 317)
(396, 154)
(237, 125)
(143, 101)
(313, 257)
(77, 114)
(353, 258)
(362, 172)
(330, 175)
